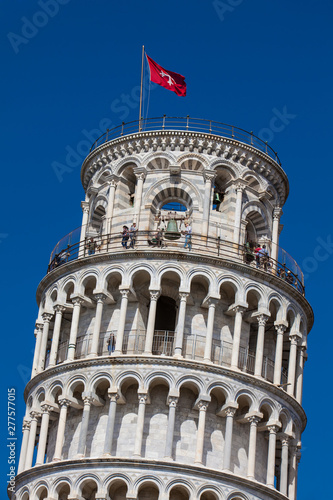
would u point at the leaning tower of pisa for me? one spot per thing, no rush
(169, 357)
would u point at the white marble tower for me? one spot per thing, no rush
(164, 372)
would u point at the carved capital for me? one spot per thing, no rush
(230, 412)
(100, 297)
(85, 207)
(273, 429)
(39, 327)
(142, 398)
(34, 414)
(124, 293)
(285, 440)
(154, 294)
(254, 419)
(239, 309)
(58, 308)
(183, 296)
(47, 317)
(140, 173)
(63, 402)
(277, 212)
(77, 301)
(173, 401)
(25, 425)
(87, 400)
(209, 175)
(294, 338)
(46, 408)
(262, 319)
(113, 396)
(203, 405)
(280, 329)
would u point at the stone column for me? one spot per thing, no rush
(292, 363)
(209, 176)
(85, 217)
(284, 465)
(299, 373)
(109, 211)
(113, 396)
(251, 463)
(230, 413)
(280, 329)
(32, 437)
(24, 445)
(203, 405)
(262, 318)
(271, 454)
(154, 294)
(59, 310)
(87, 401)
(122, 320)
(42, 355)
(38, 335)
(210, 328)
(100, 297)
(46, 409)
(171, 427)
(277, 212)
(64, 404)
(140, 174)
(140, 425)
(238, 211)
(77, 301)
(237, 335)
(292, 472)
(178, 352)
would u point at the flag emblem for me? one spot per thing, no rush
(167, 79)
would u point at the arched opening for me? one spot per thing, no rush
(118, 490)
(126, 418)
(63, 491)
(41, 493)
(89, 490)
(96, 223)
(165, 324)
(179, 493)
(222, 181)
(208, 495)
(148, 492)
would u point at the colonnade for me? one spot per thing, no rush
(41, 419)
(294, 382)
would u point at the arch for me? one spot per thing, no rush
(209, 493)
(254, 181)
(194, 158)
(74, 382)
(97, 379)
(156, 377)
(159, 163)
(120, 166)
(161, 192)
(246, 401)
(129, 377)
(206, 274)
(88, 486)
(191, 381)
(41, 490)
(62, 488)
(151, 156)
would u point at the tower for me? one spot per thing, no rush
(169, 358)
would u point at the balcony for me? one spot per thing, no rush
(163, 345)
(70, 248)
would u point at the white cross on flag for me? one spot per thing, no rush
(167, 79)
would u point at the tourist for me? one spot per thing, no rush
(125, 236)
(132, 234)
(188, 236)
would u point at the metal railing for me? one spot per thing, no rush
(163, 345)
(285, 267)
(187, 124)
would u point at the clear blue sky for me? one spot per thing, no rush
(242, 66)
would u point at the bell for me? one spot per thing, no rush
(216, 198)
(171, 232)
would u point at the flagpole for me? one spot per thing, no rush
(143, 53)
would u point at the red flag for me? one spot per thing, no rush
(167, 79)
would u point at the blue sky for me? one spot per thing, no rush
(78, 71)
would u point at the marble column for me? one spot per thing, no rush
(238, 212)
(292, 363)
(59, 310)
(140, 174)
(42, 355)
(85, 217)
(87, 401)
(277, 212)
(122, 321)
(262, 319)
(237, 335)
(299, 373)
(284, 465)
(203, 405)
(64, 404)
(109, 211)
(154, 295)
(292, 472)
(251, 463)
(100, 298)
(210, 329)
(113, 396)
(171, 427)
(178, 352)
(209, 176)
(32, 438)
(38, 335)
(24, 445)
(280, 329)
(230, 413)
(77, 302)
(140, 425)
(46, 409)
(271, 454)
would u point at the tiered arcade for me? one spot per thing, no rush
(162, 372)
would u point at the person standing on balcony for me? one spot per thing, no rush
(125, 236)
(132, 234)
(188, 236)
